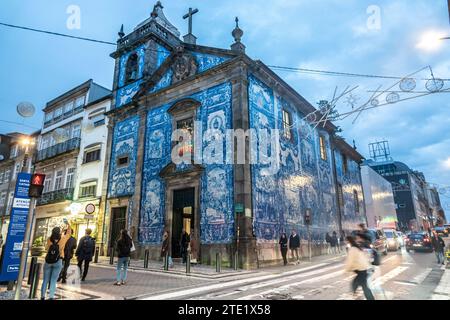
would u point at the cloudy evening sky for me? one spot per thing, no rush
(326, 35)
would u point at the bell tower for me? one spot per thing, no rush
(140, 53)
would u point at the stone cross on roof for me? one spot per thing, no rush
(190, 38)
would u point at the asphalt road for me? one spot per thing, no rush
(402, 275)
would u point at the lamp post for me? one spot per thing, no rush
(27, 143)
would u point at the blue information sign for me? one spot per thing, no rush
(16, 230)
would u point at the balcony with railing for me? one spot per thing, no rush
(55, 197)
(58, 149)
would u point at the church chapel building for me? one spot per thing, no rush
(228, 202)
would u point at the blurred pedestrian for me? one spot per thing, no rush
(342, 241)
(334, 243)
(438, 246)
(69, 248)
(365, 239)
(85, 252)
(53, 260)
(184, 244)
(328, 241)
(294, 245)
(358, 261)
(124, 245)
(284, 247)
(165, 249)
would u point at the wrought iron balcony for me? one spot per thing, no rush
(58, 149)
(55, 196)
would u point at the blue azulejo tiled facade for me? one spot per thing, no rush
(163, 84)
(125, 145)
(302, 179)
(216, 198)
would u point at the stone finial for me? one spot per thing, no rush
(157, 6)
(121, 33)
(237, 35)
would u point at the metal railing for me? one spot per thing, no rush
(58, 149)
(55, 196)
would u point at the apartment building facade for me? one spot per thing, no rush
(61, 152)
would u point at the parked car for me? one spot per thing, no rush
(441, 231)
(392, 238)
(401, 238)
(419, 242)
(378, 239)
(447, 227)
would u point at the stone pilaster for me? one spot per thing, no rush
(136, 198)
(246, 241)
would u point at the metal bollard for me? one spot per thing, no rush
(35, 281)
(97, 250)
(146, 258)
(32, 269)
(166, 262)
(188, 263)
(111, 256)
(236, 260)
(218, 262)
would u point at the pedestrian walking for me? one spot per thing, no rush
(124, 245)
(69, 248)
(294, 245)
(438, 247)
(328, 241)
(165, 249)
(184, 244)
(85, 252)
(342, 241)
(334, 243)
(358, 261)
(53, 260)
(365, 239)
(284, 247)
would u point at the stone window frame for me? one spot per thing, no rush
(183, 110)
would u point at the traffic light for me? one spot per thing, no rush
(37, 185)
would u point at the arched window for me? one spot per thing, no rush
(131, 71)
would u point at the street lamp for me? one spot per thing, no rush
(431, 40)
(26, 142)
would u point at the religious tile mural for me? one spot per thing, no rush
(302, 179)
(157, 156)
(216, 198)
(125, 140)
(208, 61)
(352, 192)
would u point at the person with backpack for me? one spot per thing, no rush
(124, 245)
(358, 261)
(85, 251)
(53, 260)
(69, 248)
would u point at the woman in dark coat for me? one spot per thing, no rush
(284, 247)
(124, 245)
